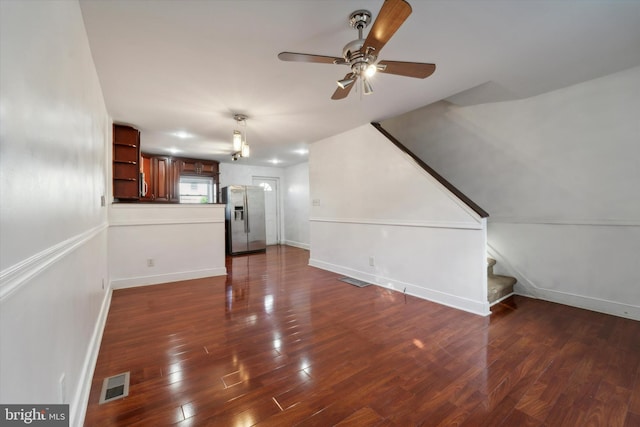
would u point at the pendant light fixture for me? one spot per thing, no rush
(240, 145)
(237, 140)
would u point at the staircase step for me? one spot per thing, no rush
(499, 287)
(490, 263)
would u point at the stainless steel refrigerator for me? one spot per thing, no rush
(245, 219)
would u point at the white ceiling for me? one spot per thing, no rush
(189, 65)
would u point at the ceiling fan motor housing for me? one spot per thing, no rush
(352, 49)
(356, 58)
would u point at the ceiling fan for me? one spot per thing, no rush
(361, 54)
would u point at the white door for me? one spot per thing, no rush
(271, 207)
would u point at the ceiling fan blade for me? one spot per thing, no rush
(409, 69)
(305, 57)
(341, 93)
(392, 15)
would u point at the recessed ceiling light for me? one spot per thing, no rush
(182, 134)
(302, 151)
(174, 150)
(275, 161)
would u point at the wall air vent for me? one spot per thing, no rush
(354, 282)
(115, 387)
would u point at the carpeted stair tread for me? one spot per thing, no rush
(490, 263)
(498, 286)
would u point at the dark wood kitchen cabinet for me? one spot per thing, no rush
(198, 167)
(126, 158)
(161, 179)
(167, 180)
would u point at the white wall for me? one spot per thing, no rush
(54, 133)
(369, 199)
(296, 205)
(559, 173)
(241, 174)
(183, 241)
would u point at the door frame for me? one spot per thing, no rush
(275, 179)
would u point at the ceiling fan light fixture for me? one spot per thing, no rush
(366, 87)
(370, 70)
(345, 83)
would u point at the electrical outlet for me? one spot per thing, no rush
(103, 201)
(372, 261)
(151, 262)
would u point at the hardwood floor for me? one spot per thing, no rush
(279, 343)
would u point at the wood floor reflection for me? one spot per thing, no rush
(279, 343)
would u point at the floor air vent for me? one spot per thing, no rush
(115, 387)
(354, 282)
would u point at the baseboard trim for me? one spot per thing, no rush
(297, 244)
(587, 303)
(78, 407)
(498, 301)
(134, 282)
(453, 301)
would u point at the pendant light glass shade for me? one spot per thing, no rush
(237, 140)
(245, 150)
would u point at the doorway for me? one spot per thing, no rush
(271, 207)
